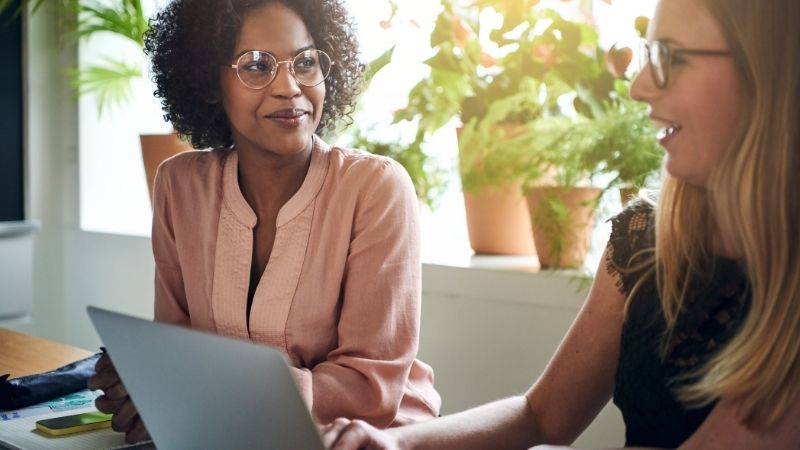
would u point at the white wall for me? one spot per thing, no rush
(489, 333)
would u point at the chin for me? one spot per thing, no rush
(687, 176)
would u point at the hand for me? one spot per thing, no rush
(344, 434)
(115, 400)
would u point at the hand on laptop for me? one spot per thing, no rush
(345, 434)
(115, 400)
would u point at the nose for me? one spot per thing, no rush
(643, 89)
(284, 84)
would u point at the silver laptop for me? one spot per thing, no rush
(195, 390)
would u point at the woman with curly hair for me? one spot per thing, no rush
(273, 236)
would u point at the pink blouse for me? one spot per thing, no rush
(340, 294)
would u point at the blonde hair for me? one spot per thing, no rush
(753, 199)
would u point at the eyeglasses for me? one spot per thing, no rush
(660, 58)
(256, 68)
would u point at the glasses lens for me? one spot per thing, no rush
(644, 54)
(256, 69)
(311, 67)
(659, 57)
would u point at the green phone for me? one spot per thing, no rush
(76, 423)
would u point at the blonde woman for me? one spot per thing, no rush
(693, 322)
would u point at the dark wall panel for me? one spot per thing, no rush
(12, 206)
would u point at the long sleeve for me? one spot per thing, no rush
(170, 296)
(366, 374)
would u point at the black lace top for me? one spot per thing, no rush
(645, 381)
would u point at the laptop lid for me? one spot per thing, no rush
(203, 391)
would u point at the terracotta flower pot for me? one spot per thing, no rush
(498, 221)
(562, 220)
(155, 149)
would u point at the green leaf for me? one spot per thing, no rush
(376, 65)
(125, 18)
(111, 82)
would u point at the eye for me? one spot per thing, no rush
(305, 64)
(677, 60)
(260, 66)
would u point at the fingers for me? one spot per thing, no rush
(357, 434)
(125, 417)
(138, 432)
(103, 362)
(116, 392)
(107, 405)
(113, 398)
(105, 375)
(330, 432)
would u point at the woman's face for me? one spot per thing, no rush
(697, 112)
(281, 117)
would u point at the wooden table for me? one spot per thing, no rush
(22, 354)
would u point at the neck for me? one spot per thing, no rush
(269, 179)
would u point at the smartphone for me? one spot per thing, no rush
(76, 423)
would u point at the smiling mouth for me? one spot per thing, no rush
(665, 130)
(288, 118)
(290, 113)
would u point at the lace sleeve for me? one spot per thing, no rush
(632, 239)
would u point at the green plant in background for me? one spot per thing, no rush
(552, 218)
(429, 180)
(110, 79)
(619, 141)
(607, 134)
(536, 44)
(565, 98)
(492, 151)
(549, 65)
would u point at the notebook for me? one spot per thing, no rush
(203, 391)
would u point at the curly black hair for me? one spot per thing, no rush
(189, 40)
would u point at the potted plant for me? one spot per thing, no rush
(495, 89)
(492, 164)
(586, 155)
(110, 80)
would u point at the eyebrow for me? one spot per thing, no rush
(667, 40)
(296, 52)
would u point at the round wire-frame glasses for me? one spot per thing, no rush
(256, 69)
(659, 56)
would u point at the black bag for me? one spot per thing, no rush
(32, 389)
